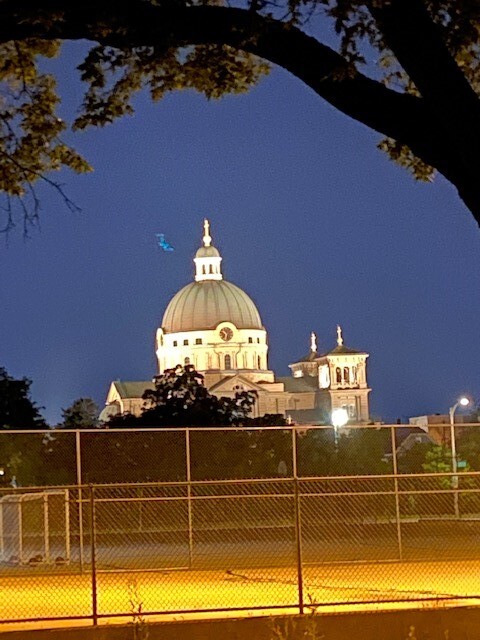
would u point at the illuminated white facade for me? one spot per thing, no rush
(215, 326)
(341, 375)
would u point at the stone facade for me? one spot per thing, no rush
(216, 327)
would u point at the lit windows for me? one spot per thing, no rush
(185, 343)
(175, 343)
(228, 362)
(198, 341)
(250, 341)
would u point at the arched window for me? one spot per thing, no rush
(346, 375)
(204, 269)
(211, 268)
(338, 375)
(228, 362)
(259, 362)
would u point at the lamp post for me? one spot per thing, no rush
(339, 419)
(461, 402)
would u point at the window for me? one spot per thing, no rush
(228, 362)
(198, 341)
(346, 375)
(354, 374)
(258, 340)
(338, 375)
(250, 341)
(259, 363)
(187, 361)
(175, 343)
(185, 343)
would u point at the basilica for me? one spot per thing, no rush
(216, 327)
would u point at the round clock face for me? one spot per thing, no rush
(226, 334)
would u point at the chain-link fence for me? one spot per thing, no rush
(164, 522)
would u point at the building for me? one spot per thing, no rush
(215, 326)
(433, 425)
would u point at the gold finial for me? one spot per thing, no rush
(339, 335)
(313, 342)
(207, 239)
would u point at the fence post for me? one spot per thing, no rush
(397, 497)
(298, 523)
(93, 555)
(78, 459)
(189, 496)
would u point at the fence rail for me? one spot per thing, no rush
(195, 541)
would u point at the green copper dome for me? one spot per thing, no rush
(203, 305)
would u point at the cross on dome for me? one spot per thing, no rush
(339, 335)
(313, 342)
(207, 238)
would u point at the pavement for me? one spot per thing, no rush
(182, 594)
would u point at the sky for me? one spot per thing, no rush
(313, 222)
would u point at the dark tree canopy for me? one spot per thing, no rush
(180, 399)
(81, 414)
(17, 410)
(417, 87)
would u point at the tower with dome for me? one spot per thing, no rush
(215, 326)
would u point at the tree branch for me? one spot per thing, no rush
(408, 119)
(137, 23)
(418, 45)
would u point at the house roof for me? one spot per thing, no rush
(342, 349)
(299, 385)
(310, 357)
(132, 389)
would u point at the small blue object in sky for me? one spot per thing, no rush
(162, 243)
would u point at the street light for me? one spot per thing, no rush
(339, 419)
(461, 402)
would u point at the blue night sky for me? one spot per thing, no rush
(315, 223)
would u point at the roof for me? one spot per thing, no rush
(205, 304)
(207, 252)
(342, 349)
(299, 385)
(310, 357)
(133, 389)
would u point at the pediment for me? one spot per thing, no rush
(228, 385)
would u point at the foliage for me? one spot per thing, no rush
(180, 399)
(82, 414)
(422, 57)
(17, 410)
(412, 461)
(439, 460)
(30, 146)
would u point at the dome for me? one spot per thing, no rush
(207, 252)
(204, 304)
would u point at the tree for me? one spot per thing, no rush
(20, 453)
(421, 93)
(82, 414)
(17, 410)
(180, 399)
